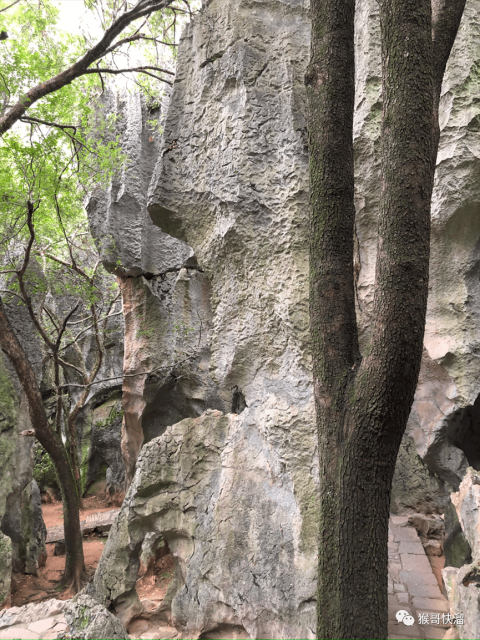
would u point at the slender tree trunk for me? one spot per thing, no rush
(363, 403)
(74, 575)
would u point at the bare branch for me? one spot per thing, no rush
(9, 7)
(64, 363)
(64, 325)
(12, 293)
(50, 124)
(20, 273)
(143, 70)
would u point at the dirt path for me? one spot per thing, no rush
(27, 589)
(53, 512)
(32, 589)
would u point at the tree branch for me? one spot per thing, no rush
(5, 9)
(135, 69)
(79, 68)
(21, 272)
(446, 17)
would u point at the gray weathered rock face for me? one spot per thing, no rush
(88, 619)
(5, 568)
(193, 485)
(462, 583)
(129, 243)
(20, 514)
(231, 183)
(32, 613)
(235, 171)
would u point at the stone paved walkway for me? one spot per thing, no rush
(412, 586)
(44, 620)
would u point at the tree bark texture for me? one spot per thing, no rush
(363, 402)
(74, 575)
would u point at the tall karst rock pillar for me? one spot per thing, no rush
(234, 495)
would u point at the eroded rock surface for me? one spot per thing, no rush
(89, 620)
(462, 584)
(20, 513)
(216, 478)
(5, 567)
(231, 184)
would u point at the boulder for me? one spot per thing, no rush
(467, 505)
(89, 620)
(216, 478)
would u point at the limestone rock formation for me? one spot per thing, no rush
(462, 584)
(165, 295)
(5, 568)
(231, 183)
(88, 619)
(20, 514)
(32, 612)
(229, 200)
(216, 478)
(129, 243)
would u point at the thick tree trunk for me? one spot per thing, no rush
(363, 403)
(74, 575)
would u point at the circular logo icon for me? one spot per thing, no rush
(401, 614)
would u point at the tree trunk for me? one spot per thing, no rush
(363, 402)
(74, 575)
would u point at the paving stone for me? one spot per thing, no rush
(431, 604)
(408, 632)
(403, 598)
(434, 633)
(394, 569)
(40, 626)
(424, 591)
(392, 600)
(18, 633)
(399, 520)
(398, 586)
(60, 626)
(405, 534)
(412, 547)
(419, 564)
(410, 578)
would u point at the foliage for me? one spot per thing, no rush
(44, 469)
